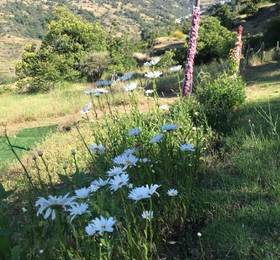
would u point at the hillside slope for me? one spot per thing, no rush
(28, 17)
(11, 48)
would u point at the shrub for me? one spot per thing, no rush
(215, 41)
(93, 65)
(179, 35)
(219, 99)
(121, 53)
(167, 60)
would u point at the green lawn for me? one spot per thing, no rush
(26, 138)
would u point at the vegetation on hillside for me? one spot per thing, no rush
(29, 18)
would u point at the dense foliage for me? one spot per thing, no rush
(215, 41)
(71, 49)
(219, 98)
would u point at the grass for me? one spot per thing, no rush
(133, 237)
(67, 99)
(236, 199)
(25, 138)
(61, 105)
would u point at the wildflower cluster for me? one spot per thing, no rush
(115, 178)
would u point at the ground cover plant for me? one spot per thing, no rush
(131, 188)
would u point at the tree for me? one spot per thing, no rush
(121, 51)
(68, 40)
(214, 41)
(93, 65)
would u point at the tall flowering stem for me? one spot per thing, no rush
(237, 51)
(188, 81)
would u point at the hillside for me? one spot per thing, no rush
(11, 48)
(28, 18)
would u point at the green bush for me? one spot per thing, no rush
(68, 40)
(219, 99)
(167, 60)
(121, 51)
(215, 41)
(93, 65)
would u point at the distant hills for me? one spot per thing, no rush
(27, 19)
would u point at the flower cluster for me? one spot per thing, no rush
(130, 87)
(154, 61)
(153, 74)
(175, 68)
(188, 81)
(118, 178)
(126, 76)
(103, 83)
(96, 91)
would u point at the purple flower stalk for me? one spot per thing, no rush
(188, 81)
(238, 46)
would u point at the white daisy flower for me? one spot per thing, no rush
(126, 76)
(126, 160)
(99, 183)
(134, 131)
(86, 108)
(100, 225)
(164, 107)
(115, 171)
(130, 87)
(148, 214)
(77, 210)
(143, 192)
(148, 92)
(172, 192)
(187, 147)
(97, 148)
(168, 127)
(103, 83)
(47, 206)
(154, 61)
(153, 74)
(175, 68)
(119, 181)
(156, 139)
(82, 193)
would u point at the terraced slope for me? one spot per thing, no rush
(11, 48)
